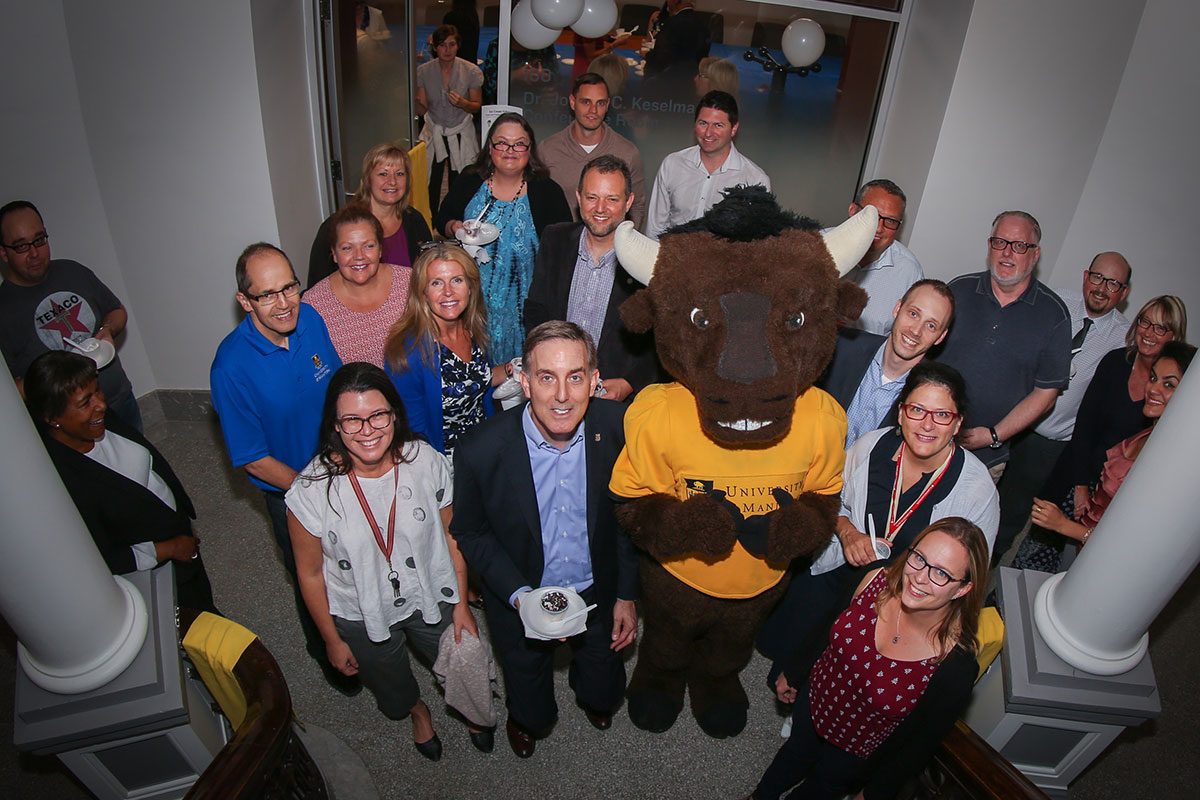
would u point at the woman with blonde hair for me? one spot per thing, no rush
(437, 352)
(385, 191)
(717, 73)
(896, 673)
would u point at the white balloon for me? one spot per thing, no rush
(528, 31)
(803, 42)
(556, 13)
(598, 19)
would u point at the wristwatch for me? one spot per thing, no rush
(995, 445)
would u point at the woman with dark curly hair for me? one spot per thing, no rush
(369, 520)
(509, 187)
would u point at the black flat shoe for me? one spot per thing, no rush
(484, 740)
(431, 749)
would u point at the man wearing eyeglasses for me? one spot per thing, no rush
(45, 302)
(888, 268)
(1097, 327)
(268, 384)
(1011, 341)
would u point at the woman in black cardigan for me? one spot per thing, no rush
(510, 188)
(131, 501)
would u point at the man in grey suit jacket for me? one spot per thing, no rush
(868, 371)
(532, 509)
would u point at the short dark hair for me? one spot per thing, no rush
(880, 183)
(589, 79)
(1025, 215)
(51, 380)
(559, 329)
(442, 33)
(358, 377)
(938, 286)
(355, 214)
(944, 375)
(721, 101)
(606, 165)
(483, 165)
(18, 205)
(258, 248)
(1180, 352)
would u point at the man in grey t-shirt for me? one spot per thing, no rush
(45, 302)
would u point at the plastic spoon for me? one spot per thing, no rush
(576, 615)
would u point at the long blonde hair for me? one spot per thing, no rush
(417, 326)
(961, 625)
(387, 151)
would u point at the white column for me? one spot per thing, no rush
(78, 625)
(1095, 615)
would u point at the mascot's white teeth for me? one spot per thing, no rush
(744, 424)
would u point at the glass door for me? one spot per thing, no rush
(367, 50)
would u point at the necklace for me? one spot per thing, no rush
(385, 545)
(516, 195)
(896, 638)
(896, 520)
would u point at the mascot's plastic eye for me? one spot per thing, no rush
(794, 322)
(699, 319)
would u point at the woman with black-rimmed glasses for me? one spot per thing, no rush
(509, 187)
(896, 480)
(893, 674)
(369, 522)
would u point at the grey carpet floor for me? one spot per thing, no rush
(1158, 760)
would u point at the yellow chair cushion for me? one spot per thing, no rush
(214, 644)
(991, 638)
(418, 183)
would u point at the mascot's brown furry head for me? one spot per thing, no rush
(744, 304)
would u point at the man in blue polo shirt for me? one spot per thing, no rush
(268, 387)
(1011, 341)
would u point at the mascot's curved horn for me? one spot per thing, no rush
(848, 242)
(637, 253)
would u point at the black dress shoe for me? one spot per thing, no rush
(519, 739)
(600, 722)
(484, 740)
(431, 749)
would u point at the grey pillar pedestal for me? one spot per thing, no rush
(1048, 718)
(148, 733)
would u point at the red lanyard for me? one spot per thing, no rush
(384, 547)
(893, 524)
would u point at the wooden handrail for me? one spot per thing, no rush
(265, 758)
(965, 766)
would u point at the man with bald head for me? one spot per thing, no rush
(1097, 327)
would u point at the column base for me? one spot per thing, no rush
(1050, 719)
(105, 667)
(1071, 650)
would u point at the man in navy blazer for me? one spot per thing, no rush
(532, 509)
(868, 371)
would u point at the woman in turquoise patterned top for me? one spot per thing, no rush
(509, 187)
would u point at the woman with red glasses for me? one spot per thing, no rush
(895, 671)
(896, 480)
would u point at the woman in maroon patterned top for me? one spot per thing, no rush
(897, 673)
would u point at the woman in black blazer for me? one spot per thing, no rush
(131, 501)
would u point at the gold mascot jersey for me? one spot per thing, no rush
(666, 452)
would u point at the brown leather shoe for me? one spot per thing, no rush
(600, 722)
(519, 739)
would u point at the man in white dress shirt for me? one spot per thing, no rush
(888, 268)
(691, 181)
(1098, 328)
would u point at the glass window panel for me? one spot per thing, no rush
(809, 133)
(372, 62)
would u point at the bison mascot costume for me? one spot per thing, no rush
(735, 470)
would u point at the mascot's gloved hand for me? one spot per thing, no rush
(802, 526)
(753, 531)
(669, 529)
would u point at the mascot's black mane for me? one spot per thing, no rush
(747, 213)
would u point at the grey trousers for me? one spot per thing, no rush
(383, 667)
